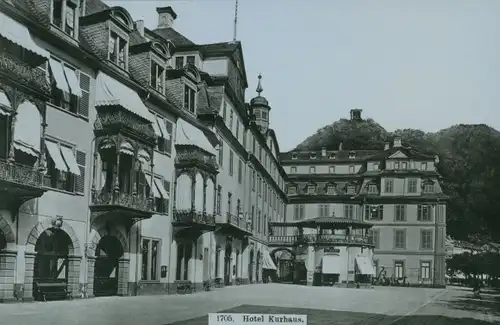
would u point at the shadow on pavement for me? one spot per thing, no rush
(329, 317)
(488, 304)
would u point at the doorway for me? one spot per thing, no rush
(106, 269)
(227, 264)
(250, 267)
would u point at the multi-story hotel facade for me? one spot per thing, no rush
(396, 189)
(131, 162)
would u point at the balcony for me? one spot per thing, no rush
(321, 240)
(188, 157)
(233, 225)
(125, 207)
(192, 223)
(19, 184)
(16, 69)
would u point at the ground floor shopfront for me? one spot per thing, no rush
(113, 260)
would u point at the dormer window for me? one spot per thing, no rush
(190, 59)
(294, 156)
(428, 187)
(351, 189)
(311, 189)
(423, 166)
(179, 62)
(396, 165)
(312, 170)
(330, 189)
(312, 156)
(157, 77)
(352, 155)
(292, 189)
(118, 50)
(372, 189)
(331, 169)
(375, 166)
(64, 16)
(404, 165)
(331, 156)
(189, 99)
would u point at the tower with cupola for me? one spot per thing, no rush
(260, 108)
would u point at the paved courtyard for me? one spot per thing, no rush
(324, 305)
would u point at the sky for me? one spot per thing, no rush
(425, 64)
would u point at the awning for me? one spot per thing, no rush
(20, 35)
(127, 148)
(26, 148)
(267, 261)
(73, 82)
(58, 73)
(163, 128)
(365, 266)
(187, 134)
(55, 154)
(4, 103)
(70, 159)
(156, 127)
(161, 188)
(156, 193)
(332, 264)
(143, 157)
(112, 92)
(28, 128)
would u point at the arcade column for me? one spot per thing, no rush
(310, 265)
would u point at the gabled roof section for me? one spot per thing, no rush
(93, 6)
(232, 49)
(174, 36)
(400, 152)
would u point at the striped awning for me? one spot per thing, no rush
(19, 34)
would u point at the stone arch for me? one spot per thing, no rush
(6, 230)
(106, 231)
(280, 249)
(46, 224)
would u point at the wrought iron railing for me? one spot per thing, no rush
(238, 221)
(128, 200)
(192, 216)
(123, 119)
(20, 70)
(194, 156)
(24, 175)
(320, 239)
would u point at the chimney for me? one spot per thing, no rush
(139, 26)
(323, 152)
(387, 146)
(166, 17)
(356, 114)
(397, 142)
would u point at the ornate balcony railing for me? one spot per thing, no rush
(125, 200)
(23, 175)
(191, 156)
(17, 69)
(193, 217)
(238, 221)
(112, 119)
(320, 240)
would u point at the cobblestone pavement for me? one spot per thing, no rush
(381, 306)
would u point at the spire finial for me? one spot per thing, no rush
(235, 30)
(259, 86)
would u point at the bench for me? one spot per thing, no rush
(219, 283)
(51, 290)
(184, 286)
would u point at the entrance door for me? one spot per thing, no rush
(250, 268)
(227, 265)
(106, 269)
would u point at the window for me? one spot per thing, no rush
(429, 187)
(164, 142)
(312, 156)
(352, 155)
(374, 212)
(190, 59)
(179, 62)
(231, 162)
(292, 189)
(331, 169)
(240, 171)
(150, 254)
(399, 238)
(424, 212)
(330, 189)
(189, 99)
(400, 212)
(404, 165)
(67, 90)
(68, 22)
(157, 77)
(294, 156)
(426, 239)
(311, 189)
(372, 189)
(351, 189)
(374, 237)
(349, 211)
(412, 186)
(66, 171)
(323, 210)
(238, 207)
(399, 269)
(423, 166)
(389, 185)
(331, 156)
(352, 169)
(293, 169)
(396, 165)
(298, 212)
(425, 270)
(218, 200)
(252, 215)
(229, 202)
(312, 170)
(118, 50)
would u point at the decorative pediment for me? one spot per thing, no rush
(192, 73)
(398, 154)
(122, 16)
(427, 181)
(331, 188)
(160, 49)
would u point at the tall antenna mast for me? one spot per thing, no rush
(235, 21)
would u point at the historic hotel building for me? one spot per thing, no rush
(395, 188)
(130, 162)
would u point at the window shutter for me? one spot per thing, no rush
(166, 185)
(168, 143)
(430, 213)
(367, 212)
(419, 212)
(381, 212)
(81, 159)
(84, 102)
